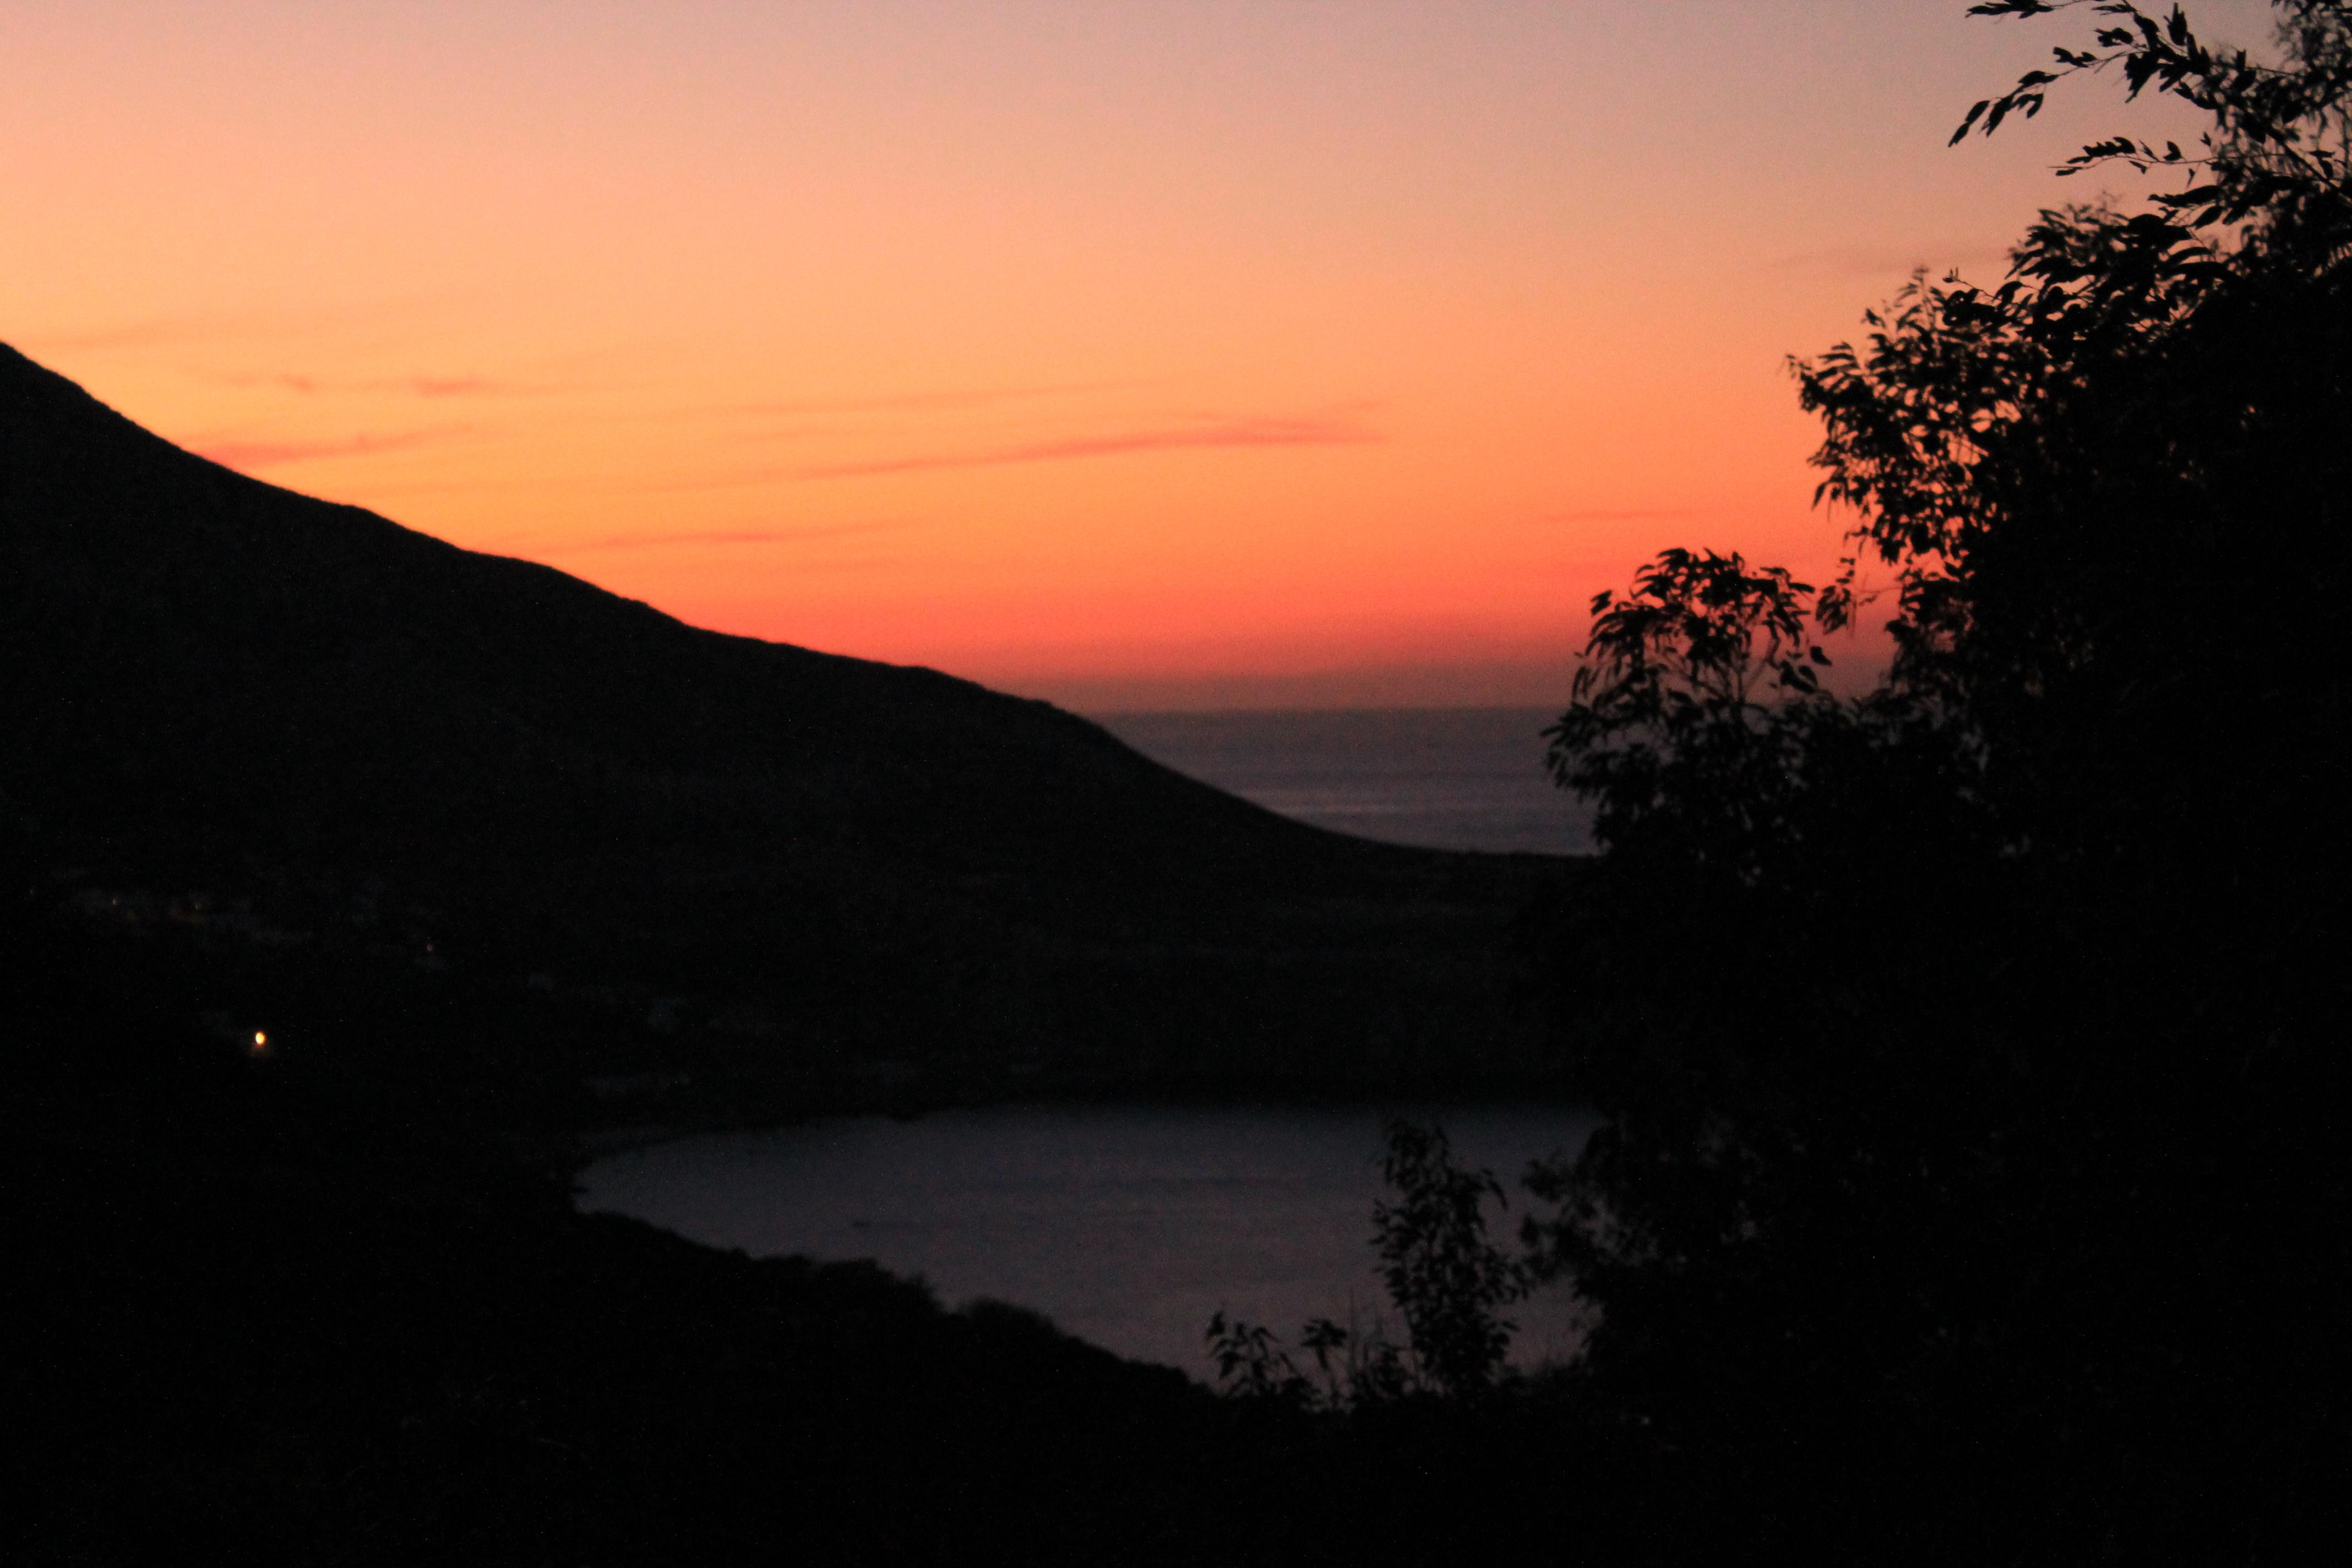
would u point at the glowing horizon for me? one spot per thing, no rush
(1212, 354)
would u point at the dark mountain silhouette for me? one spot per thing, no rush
(211, 684)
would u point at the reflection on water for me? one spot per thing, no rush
(1126, 1226)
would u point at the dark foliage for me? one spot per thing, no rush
(1973, 1183)
(1445, 1279)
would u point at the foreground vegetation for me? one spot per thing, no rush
(1973, 1051)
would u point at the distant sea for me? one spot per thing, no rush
(1442, 778)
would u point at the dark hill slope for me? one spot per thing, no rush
(221, 657)
(208, 682)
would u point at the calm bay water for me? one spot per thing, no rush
(1444, 778)
(1129, 1226)
(1126, 1226)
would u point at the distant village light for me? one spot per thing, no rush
(260, 1042)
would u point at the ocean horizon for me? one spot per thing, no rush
(1436, 778)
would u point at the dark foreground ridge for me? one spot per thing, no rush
(757, 875)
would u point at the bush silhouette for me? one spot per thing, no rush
(1964, 1044)
(1445, 1279)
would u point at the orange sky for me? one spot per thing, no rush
(1132, 355)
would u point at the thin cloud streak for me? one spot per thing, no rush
(725, 536)
(926, 401)
(1231, 433)
(413, 385)
(246, 455)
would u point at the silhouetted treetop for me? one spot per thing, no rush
(1966, 1040)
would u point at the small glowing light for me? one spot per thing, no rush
(260, 1042)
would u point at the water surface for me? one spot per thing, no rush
(1442, 778)
(1126, 1226)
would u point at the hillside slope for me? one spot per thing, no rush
(219, 690)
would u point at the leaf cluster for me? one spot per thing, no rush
(1444, 1277)
(2278, 139)
(1681, 718)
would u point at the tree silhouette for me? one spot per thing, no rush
(1970, 1046)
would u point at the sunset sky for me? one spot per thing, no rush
(1128, 355)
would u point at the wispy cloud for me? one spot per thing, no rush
(454, 386)
(926, 401)
(723, 536)
(246, 453)
(413, 385)
(1244, 432)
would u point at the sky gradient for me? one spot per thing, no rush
(1130, 355)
